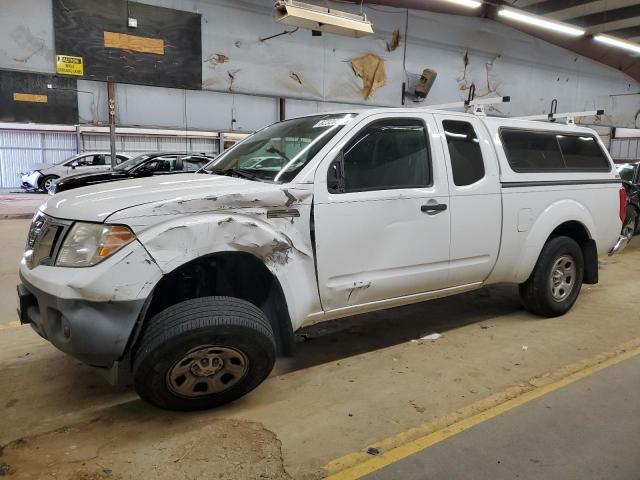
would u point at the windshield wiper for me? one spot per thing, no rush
(237, 172)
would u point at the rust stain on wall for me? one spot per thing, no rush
(395, 40)
(296, 77)
(232, 77)
(370, 69)
(216, 59)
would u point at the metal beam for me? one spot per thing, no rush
(627, 33)
(614, 15)
(548, 6)
(614, 25)
(577, 11)
(526, 3)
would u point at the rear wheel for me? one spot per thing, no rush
(203, 353)
(47, 182)
(554, 285)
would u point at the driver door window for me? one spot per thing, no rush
(388, 154)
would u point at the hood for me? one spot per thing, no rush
(205, 192)
(89, 178)
(40, 166)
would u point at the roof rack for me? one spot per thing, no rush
(476, 105)
(569, 117)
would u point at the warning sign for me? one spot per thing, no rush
(66, 65)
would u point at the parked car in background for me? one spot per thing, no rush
(161, 163)
(41, 176)
(630, 175)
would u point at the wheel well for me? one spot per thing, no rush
(45, 176)
(234, 274)
(577, 231)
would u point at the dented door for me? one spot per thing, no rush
(385, 232)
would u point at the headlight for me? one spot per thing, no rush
(90, 243)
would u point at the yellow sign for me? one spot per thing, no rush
(29, 97)
(66, 65)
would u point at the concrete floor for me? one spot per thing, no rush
(353, 383)
(587, 430)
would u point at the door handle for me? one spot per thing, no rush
(433, 208)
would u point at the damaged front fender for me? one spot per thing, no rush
(275, 228)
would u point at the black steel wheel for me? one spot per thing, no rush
(202, 353)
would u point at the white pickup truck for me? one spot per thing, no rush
(194, 284)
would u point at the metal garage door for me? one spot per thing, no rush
(19, 149)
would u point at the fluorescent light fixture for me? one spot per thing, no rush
(466, 3)
(315, 17)
(541, 22)
(615, 42)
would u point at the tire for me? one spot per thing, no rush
(552, 295)
(204, 340)
(44, 183)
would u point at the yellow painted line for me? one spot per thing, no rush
(14, 324)
(358, 464)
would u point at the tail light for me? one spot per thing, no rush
(623, 204)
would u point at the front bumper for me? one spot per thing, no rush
(620, 245)
(31, 180)
(95, 333)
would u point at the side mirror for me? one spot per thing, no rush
(74, 164)
(335, 175)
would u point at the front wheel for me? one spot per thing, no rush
(202, 353)
(47, 182)
(556, 280)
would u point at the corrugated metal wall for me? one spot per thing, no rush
(625, 148)
(20, 149)
(136, 144)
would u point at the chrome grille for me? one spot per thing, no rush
(44, 239)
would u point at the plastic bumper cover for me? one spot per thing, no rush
(95, 333)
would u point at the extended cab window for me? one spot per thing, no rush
(535, 151)
(391, 153)
(529, 151)
(467, 165)
(582, 153)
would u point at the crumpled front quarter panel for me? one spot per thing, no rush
(177, 232)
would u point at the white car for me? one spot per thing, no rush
(41, 176)
(193, 283)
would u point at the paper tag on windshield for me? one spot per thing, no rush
(330, 122)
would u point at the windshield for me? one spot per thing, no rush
(129, 164)
(278, 152)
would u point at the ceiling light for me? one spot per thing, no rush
(318, 18)
(541, 22)
(466, 3)
(615, 42)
